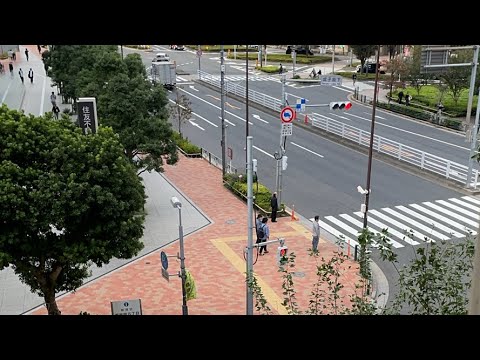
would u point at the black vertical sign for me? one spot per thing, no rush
(87, 115)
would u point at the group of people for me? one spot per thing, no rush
(314, 74)
(263, 230)
(401, 95)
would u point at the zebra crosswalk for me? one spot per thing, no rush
(426, 222)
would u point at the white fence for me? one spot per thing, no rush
(217, 162)
(423, 160)
(236, 89)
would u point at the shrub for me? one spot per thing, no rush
(270, 69)
(3, 56)
(413, 112)
(186, 145)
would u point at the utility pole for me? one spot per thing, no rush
(121, 50)
(294, 57)
(333, 59)
(222, 90)
(351, 56)
(260, 52)
(249, 222)
(246, 96)
(473, 129)
(278, 172)
(370, 149)
(199, 49)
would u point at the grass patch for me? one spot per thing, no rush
(270, 69)
(140, 47)
(360, 77)
(3, 56)
(429, 96)
(186, 145)
(284, 58)
(216, 48)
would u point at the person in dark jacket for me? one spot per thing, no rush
(274, 205)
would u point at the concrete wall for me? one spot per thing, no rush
(5, 48)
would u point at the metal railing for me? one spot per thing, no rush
(423, 160)
(233, 88)
(216, 161)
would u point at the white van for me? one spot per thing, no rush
(161, 57)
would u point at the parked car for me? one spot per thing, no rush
(370, 68)
(177, 47)
(299, 50)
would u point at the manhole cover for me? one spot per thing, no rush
(298, 274)
(230, 222)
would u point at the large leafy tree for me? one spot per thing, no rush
(67, 200)
(457, 78)
(127, 101)
(414, 73)
(363, 52)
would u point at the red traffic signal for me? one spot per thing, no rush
(340, 105)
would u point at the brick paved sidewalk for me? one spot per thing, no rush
(214, 256)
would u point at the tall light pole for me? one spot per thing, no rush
(370, 149)
(177, 204)
(473, 130)
(199, 51)
(121, 50)
(246, 102)
(333, 59)
(249, 222)
(222, 95)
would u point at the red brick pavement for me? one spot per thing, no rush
(220, 285)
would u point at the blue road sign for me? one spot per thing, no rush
(164, 259)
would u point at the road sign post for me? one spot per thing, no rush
(286, 115)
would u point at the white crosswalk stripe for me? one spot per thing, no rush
(430, 221)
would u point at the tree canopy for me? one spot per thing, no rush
(67, 200)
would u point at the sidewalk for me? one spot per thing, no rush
(213, 254)
(33, 98)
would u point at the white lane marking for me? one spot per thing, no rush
(458, 209)
(340, 116)
(360, 225)
(42, 99)
(412, 222)
(398, 224)
(337, 234)
(376, 116)
(467, 205)
(199, 116)
(295, 96)
(471, 199)
(229, 122)
(263, 151)
(181, 78)
(411, 132)
(310, 151)
(391, 231)
(339, 88)
(6, 92)
(344, 226)
(193, 88)
(259, 118)
(195, 124)
(215, 106)
(442, 218)
(452, 214)
(429, 221)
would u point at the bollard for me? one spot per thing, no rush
(355, 254)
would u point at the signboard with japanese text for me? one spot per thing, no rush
(286, 129)
(127, 307)
(87, 115)
(332, 80)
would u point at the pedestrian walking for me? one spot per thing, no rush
(14, 55)
(316, 234)
(281, 69)
(354, 78)
(400, 97)
(55, 111)
(258, 225)
(274, 205)
(10, 67)
(53, 99)
(20, 72)
(407, 99)
(10, 54)
(30, 75)
(26, 53)
(266, 235)
(39, 49)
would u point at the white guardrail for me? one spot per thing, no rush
(423, 160)
(217, 162)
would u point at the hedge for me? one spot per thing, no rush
(284, 58)
(270, 69)
(186, 145)
(238, 182)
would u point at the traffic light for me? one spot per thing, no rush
(340, 105)
(282, 255)
(284, 162)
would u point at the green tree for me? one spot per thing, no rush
(363, 52)
(181, 111)
(457, 79)
(414, 73)
(67, 201)
(397, 68)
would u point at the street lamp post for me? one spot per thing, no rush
(177, 204)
